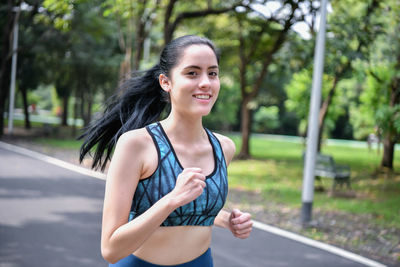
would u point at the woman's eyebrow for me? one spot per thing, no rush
(197, 67)
(192, 67)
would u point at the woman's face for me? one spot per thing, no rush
(193, 83)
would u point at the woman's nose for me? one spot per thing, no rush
(204, 81)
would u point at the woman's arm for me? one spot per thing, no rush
(238, 222)
(119, 237)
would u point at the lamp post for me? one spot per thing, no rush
(312, 131)
(13, 70)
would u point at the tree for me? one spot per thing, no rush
(10, 13)
(380, 99)
(7, 19)
(134, 20)
(354, 32)
(80, 53)
(260, 38)
(298, 92)
(171, 20)
(349, 35)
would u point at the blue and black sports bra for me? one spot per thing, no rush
(203, 210)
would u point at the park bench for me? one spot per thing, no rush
(325, 166)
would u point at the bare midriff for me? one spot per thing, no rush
(175, 244)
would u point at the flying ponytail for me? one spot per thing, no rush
(141, 103)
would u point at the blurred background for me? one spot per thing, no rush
(72, 54)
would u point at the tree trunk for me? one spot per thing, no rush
(89, 110)
(245, 128)
(82, 107)
(26, 107)
(140, 35)
(139, 45)
(126, 46)
(168, 31)
(388, 152)
(76, 106)
(125, 67)
(323, 112)
(64, 115)
(390, 138)
(86, 104)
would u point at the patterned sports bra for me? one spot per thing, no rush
(203, 210)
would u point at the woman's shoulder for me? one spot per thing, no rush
(135, 139)
(228, 146)
(135, 152)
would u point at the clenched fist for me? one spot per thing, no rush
(189, 185)
(240, 224)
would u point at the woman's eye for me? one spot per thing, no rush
(192, 73)
(213, 73)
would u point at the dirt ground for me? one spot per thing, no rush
(356, 233)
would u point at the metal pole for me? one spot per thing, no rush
(312, 131)
(13, 74)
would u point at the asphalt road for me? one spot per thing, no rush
(50, 216)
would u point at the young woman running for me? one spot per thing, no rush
(167, 181)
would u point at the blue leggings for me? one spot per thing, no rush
(205, 260)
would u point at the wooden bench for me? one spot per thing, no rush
(325, 166)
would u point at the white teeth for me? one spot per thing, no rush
(203, 96)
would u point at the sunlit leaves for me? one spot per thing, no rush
(59, 12)
(298, 91)
(266, 119)
(377, 102)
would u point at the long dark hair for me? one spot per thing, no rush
(141, 103)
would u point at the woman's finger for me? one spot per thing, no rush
(244, 225)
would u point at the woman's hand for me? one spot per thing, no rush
(240, 224)
(190, 184)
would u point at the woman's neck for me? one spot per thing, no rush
(185, 129)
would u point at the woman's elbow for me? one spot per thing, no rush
(108, 255)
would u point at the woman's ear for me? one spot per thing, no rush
(164, 83)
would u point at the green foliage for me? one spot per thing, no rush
(86, 62)
(266, 119)
(388, 118)
(375, 99)
(75, 45)
(44, 97)
(298, 92)
(61, 13)
(376, 110)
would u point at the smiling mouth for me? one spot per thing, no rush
(202, 96)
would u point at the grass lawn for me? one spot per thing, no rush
(276, 171)
(60, 143)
